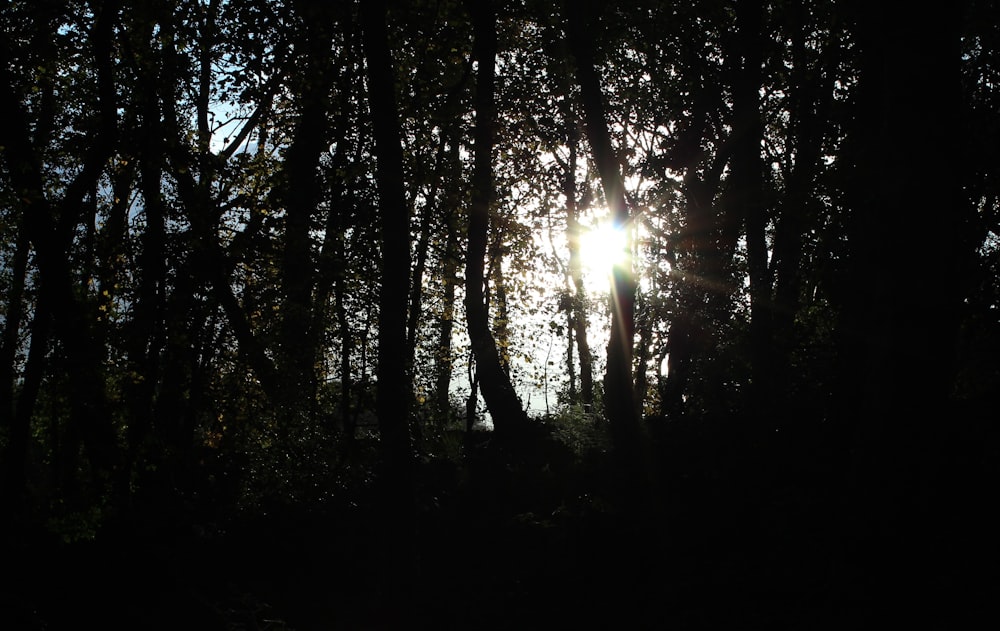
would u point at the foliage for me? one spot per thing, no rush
(198, 271)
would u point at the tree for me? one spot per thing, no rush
(900, 324)
(301, 194)
(49, 225)
(576, 310)
(394, 394)
(618, 384)
(501, 400)
(746, 195)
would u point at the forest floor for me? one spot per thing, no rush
(526, 550)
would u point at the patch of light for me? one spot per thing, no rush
(602, 247)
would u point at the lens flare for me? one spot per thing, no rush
(602, 247)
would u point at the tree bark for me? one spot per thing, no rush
(577, 308)
(14, 456)
(147, 331)
(746, 198)
(618, 383)
(811, 97)
(900, 323)
(501, 400)
(301, 195)
(393, 393)
(449, 278)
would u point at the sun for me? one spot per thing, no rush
(602, 247)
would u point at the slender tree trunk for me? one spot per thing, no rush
(301, 195)
(645, 328)
(699, 272)
(746, 197)
(394, 390)
(501, 399)
(449, 277)
(146, 335)
(812, 94)
(172, 404)
(14, 456)
(346, 350)
(332, 271)
(394, 221)
(14, 312)
(577, 309)
(429, 213)
(618, 384)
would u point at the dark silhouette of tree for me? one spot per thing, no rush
(49, 225)
(576, 309)
(810, 107)
(393, 399)
(619, 398)
(300, 195)
(746, 193)
(900, 318)
(501, 400)
(443, 361)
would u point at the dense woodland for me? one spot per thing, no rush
(300, 328)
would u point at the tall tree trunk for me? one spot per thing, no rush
(699, 267)
(449, 278)
(577, 308)
(642, 355)
(14, 313)
(429, 213)
(394, 394)
(618, 383)
(501, 399)
(14, 455)
(146, 334)
(394, 391)
(301, 195)
(746, 197)
(346, 350)
(332, 272)
(811, 97)
(900, 322)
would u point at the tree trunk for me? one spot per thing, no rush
(449, 278)
(577, 308)
(301, 195)
(394, 392)
(618, 383)
(147, 333)
(203, 214)
(811, 97)
(332, 268)
(746, 198)
(18, 427)
(501, 400)
(900, 323)
(429, 213)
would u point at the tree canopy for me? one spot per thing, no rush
(339, 258)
